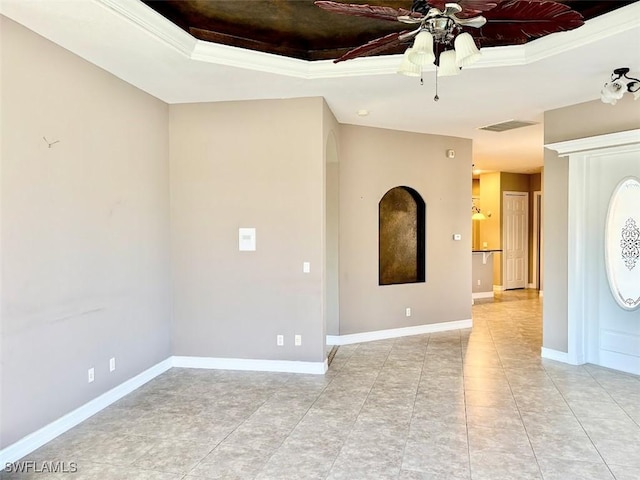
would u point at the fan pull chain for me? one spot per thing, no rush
(436, 98)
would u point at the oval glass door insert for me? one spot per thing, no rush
(622, 244)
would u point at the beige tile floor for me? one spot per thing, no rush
(474, 404)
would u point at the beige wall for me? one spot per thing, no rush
(590, 119)
(577, 121)
(482, 280)
(556, 207)
(331, 249)
(248, 164)
(514, 182)
(85, 231)
(372, 161)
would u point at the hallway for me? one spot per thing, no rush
(474, 404)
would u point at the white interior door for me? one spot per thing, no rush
(515, 227)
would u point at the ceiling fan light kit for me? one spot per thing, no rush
(620, 84)
(440, 40)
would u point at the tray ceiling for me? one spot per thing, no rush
(298, 28)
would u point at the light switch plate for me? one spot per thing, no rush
(306, 267)
(457, 236)
(247, 239)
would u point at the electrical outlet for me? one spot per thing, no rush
(112, 364)
(407, 312)
(479, 280)
(306, 267)
(280, 340)
(91, 375)
(297, 340)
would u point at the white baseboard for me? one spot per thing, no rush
(483, 295)
(619, 361)
(531, 286)
(287, 366)
(397, 332)
(556, 355)
(540, 294)
(35, 440)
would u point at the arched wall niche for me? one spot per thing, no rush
(401, 237)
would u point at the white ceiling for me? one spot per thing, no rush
(133, 42)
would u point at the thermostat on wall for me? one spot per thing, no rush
(451, 153)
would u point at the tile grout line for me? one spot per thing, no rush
(415, 398)
(515, 402)
(305, 413)
(290, 376)
(356, 419)
(614, 400)
(464, 396)
(582, 426)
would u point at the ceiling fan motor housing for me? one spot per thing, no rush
(442, 28)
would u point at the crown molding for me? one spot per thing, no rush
(568, 147)
(156, 25)
(153, 23)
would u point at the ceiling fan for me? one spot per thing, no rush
(449, 34)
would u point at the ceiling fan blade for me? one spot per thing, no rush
(451, 9)
(376, 46)
(517, 21)
(478, 5)
(475, 22)
(370, 11)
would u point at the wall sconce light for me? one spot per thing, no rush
(619, 85)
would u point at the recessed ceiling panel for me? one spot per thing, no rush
(300, 29)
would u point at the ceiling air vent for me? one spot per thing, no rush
(508, 125)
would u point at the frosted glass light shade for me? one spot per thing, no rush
(466, 50)
(612, 92)
(448, 65)
(407, 67)
(422, 50)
